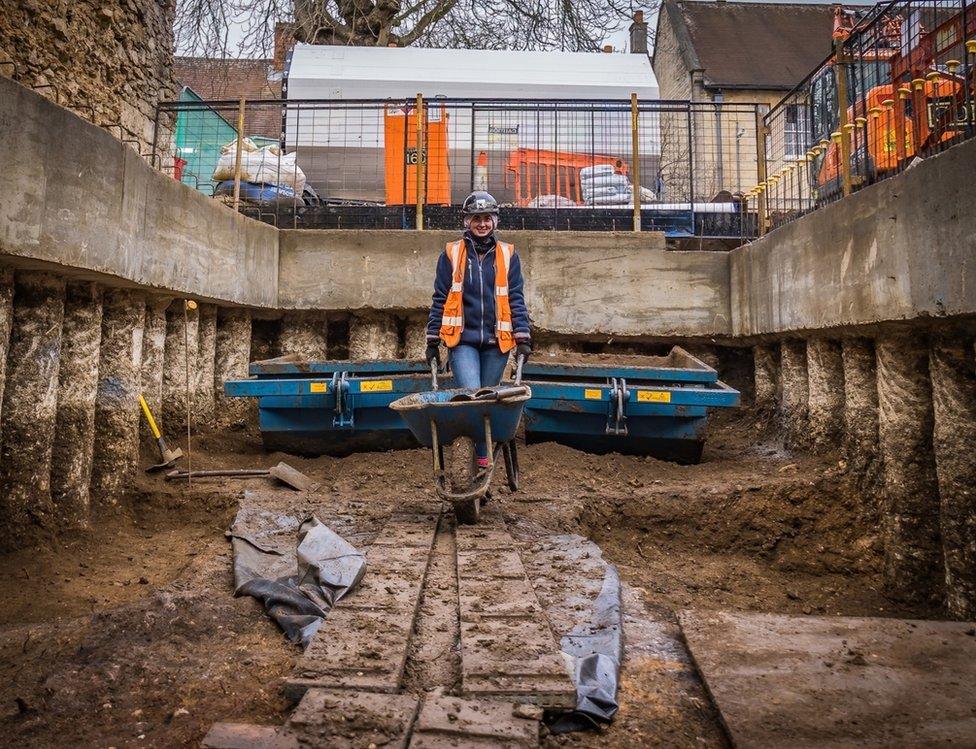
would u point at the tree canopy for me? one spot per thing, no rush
(205, 26)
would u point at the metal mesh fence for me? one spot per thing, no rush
(552, 164)
(904, 71)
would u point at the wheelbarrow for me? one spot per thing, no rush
(457, 418)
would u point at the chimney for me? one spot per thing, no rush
(638, 34)
(284, 41)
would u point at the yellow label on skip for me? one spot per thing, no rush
(593, 395)
(376, 386)
(318, 387)
(653, 396)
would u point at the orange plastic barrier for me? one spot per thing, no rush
(535, 169)
(400, 145)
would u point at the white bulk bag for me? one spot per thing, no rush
(588, 172)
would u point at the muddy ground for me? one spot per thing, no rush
(128, 635)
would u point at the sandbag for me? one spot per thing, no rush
(604, 180)
(606, 192)
(261, 165)
(589, 172)
(551, 201)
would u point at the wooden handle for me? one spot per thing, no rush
(149, 417)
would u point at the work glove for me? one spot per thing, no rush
(433, 353)
(524, 349)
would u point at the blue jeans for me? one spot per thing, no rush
(477, 368)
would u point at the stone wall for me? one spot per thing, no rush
(109, 61)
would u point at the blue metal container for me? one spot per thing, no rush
(331, 407)
(659, 409)
(338, 407)
(459, 418)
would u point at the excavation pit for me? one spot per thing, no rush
(750, 529)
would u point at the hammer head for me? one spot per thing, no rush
(169, 458)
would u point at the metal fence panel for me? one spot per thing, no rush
(898, 88)
(552, 164)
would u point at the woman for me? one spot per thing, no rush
(478, 308)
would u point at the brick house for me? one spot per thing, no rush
(736, 52)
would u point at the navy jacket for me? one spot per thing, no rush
(479, 298)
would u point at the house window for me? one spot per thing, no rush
(796, 131)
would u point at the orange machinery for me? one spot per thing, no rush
(535, 170)
(401, 156)
(918, 110)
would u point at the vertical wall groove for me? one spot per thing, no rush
(74, 437)
(232, 356)
(861, 411)
(203, 401)
(116, 455)
(180, 359)
(910, 516)
(153, 358)
(304, 334)
(795, 392)
(6, 320)
(953, 370)
(30, 403)
(415, 337)
(766, 376)
(825, 374)
(373, 336)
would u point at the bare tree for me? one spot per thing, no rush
(576, 25)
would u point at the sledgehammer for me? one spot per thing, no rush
(167, 456)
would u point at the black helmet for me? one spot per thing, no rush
(479, 202)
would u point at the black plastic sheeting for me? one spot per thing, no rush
(597, 650)
(297, 569)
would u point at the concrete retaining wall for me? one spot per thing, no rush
(77, 199)
(900, 249)
(577, 283)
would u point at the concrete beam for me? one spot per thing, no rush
(74, 437)
(900, 249)
(30, 403)
(580, 283)
(109, 212)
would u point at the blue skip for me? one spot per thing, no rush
(341, 407)
(657, 409)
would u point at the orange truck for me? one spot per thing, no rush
(917, 100)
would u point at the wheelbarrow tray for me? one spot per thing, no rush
(459, 418)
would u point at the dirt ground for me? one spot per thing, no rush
(128, 635)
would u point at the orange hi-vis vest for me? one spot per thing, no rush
(452, 321)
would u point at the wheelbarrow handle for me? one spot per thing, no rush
(519, 361)
(433, 373)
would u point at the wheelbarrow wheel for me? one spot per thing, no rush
(511, 465)
(461, 465)
(469, 511)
